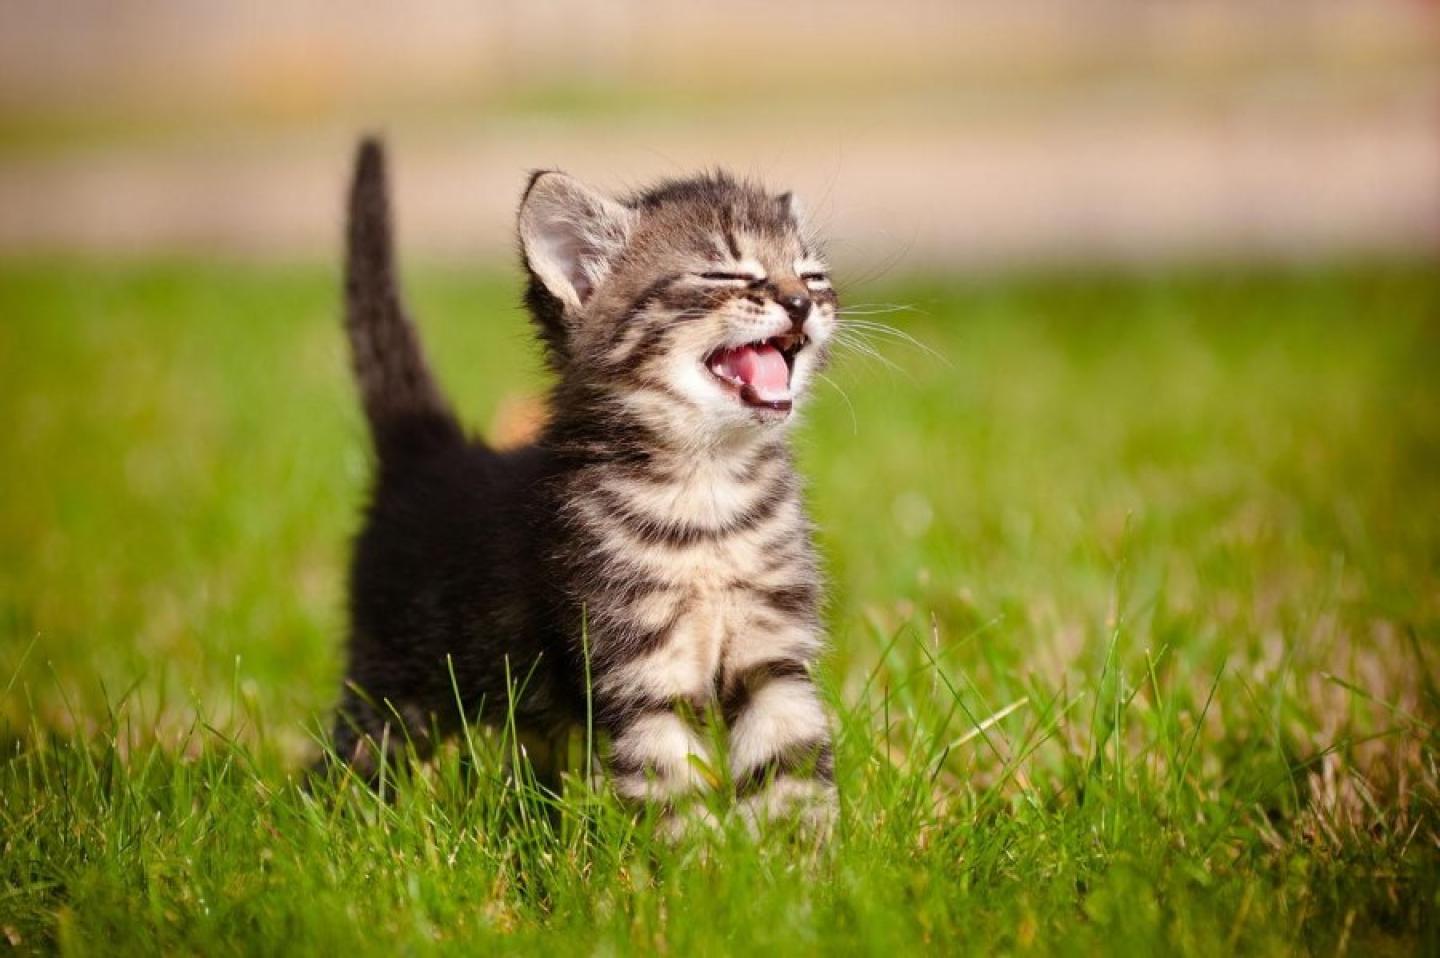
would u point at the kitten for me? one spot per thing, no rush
(653, 538)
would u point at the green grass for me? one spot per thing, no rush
(1135, 606)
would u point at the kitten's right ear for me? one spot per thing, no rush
(571, 235)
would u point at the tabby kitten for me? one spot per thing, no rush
(653, 538)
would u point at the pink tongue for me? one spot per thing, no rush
(762, 367)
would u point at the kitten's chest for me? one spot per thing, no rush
(692, 566)
(700, 531)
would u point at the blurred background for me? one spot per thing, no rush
(1126, 475)
(962, 135)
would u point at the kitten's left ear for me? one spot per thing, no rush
(571, 235)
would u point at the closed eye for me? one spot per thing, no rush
(721, 277)
(815, 279)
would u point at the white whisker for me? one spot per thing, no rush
(865, 349)
(848, 313)
(859, 327)
(854, 423)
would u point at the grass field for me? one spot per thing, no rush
(1135, 605)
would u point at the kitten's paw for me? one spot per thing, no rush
(692, 821)
(809, 804)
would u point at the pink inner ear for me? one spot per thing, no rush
(560, 245)
(570, 234)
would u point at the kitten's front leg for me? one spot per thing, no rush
(656, 753)
(781, 757)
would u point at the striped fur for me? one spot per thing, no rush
(657, 526)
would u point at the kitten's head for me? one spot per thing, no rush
(700, 306)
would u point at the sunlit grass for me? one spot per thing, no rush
(1134, 597)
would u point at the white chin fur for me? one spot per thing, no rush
(800, 372)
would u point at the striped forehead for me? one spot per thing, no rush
(724, 222)
(761, 251)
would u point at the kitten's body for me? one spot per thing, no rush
(653, 538)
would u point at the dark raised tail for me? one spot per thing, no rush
(408, 415)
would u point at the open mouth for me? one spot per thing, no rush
(759, 372)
